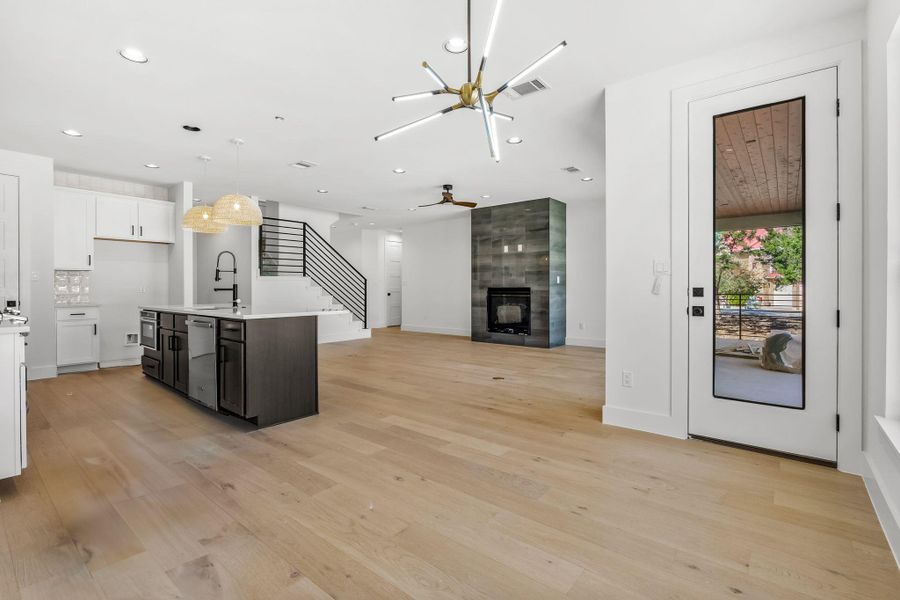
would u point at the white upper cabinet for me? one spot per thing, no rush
(73, 229)
(136, 219)
(156, 221)
(117, 217)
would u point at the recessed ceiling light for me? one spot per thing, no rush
(411, 209)
(334, 226)
(587, 178)
(303, 164)
(456, 45)
(192, 128)
(399, 171)
(371, 223)
(322, 191)
(514, 140)
(72, 132)
(133, 54)
(356, 224)
(151, 165)
(485, 196)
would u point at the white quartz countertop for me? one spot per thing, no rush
(10, 327)
(243, 313)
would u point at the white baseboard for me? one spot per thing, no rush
(438, 330)
(883, 511)
(643, 421)
(76, 368)
(586, 342)
(120, 362)
(44, 372)
(345, 336)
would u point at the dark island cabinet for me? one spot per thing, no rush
(174, 351)
(231, 376)
(266, 369)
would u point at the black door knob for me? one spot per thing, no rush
(697, 311)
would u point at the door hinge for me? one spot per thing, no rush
(837, 422)
(837, 104)
(838, 211)
(838, 317)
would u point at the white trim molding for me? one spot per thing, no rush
(586, 342)
(438, 330)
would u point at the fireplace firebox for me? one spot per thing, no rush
(509, 310)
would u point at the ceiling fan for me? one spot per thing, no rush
(471, 93)
(447, 198)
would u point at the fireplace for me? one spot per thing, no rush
(509, 310)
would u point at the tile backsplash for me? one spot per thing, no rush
(72, 287)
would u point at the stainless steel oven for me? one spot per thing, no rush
(150, 329)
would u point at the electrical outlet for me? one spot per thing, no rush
(627, 379)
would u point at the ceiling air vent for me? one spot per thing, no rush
(572, 169)
(303, 164)
(525, 88)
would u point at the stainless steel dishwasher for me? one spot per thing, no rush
(202, 361)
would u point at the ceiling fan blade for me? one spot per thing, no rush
(437, 78)
(466, 204)
(433, 204)
(417, 122)
(487, 112)
(557, 48)
(499, 115)
(417, 95)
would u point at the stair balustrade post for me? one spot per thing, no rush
(304, 248)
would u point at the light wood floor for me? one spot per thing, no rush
(438, 468)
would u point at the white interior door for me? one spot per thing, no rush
(393, 253)
(763, 266)
(9, 239)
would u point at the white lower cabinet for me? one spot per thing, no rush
(13, 405)
(77, 336)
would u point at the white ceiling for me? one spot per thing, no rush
(330, 68)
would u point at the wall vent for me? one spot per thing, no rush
(303, 164)
(572, 169)
(525, 88)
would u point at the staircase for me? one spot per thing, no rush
(298, 268)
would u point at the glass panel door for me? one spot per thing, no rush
(759, 254)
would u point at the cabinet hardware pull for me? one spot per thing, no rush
(142, 230)
(132, 230)
(95, 329)
(76, 314)
(89, 260)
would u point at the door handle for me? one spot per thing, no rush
(697, 311)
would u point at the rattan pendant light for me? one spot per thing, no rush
(237, 209)
(200, 218)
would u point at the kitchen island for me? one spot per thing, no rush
(256, 364)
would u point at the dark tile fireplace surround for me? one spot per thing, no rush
(519, 273)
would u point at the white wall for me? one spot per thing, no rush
(437, 276)
(35, 175)
(364, 248)
(320, 220)
(586, 274)
(126, 275)
(182, 252)
(640, 220)
(882, 261)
